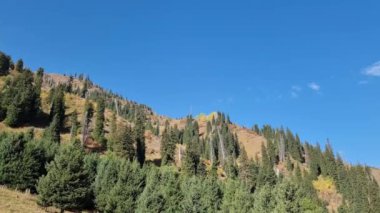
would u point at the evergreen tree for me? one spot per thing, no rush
(266, 172)
(106, 178)
(113, 133)
(87, 117)
(123, 146)
(139, 132)
(168, 145)
(67, 183)
(263, 200)
(130, 184)
(99, 122)
(38, 80)
(237, 197)
(58, 106)
(91, 162)
(191, 158)
(4, 63)
(19, 65)
(162, 192)
(199, 196)
(74, 126)
(52, 133)
(19, 99)
(21, 162)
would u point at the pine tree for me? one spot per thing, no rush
(245, 174)
(99, 122)
(74, 126)
(162, 192)
(200, 196)
(38, 80)
(263, 200)
(168, 145)
(67, 183)
(4, 63)
(52, 133)
(123, 146)
(58, 107)
(266, 173)
(19, 99)
(139, 137)
(21, 162)
(113, 133)
(106, 178)
(19, 65)
(237, 197)
(130, 184)
(87, 117)
(191, 158)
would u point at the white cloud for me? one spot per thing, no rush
(373, 70)
(295, 90)
(314, 86)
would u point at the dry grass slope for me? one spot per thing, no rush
(14, 201)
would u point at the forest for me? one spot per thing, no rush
(215, 173)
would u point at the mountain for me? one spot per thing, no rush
(123, 150)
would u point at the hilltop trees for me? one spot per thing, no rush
(5, 61)
(19, 65)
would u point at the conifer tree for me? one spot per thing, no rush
(266, 172)
(19, 100)
(162, 192)
(38, 80)
(74, 126)
(19, 65)
(168, 145)
(130, 184)
(123, 146)
(106, 178)
(200, 196)
(67, 183)
(237, 197)
(58, 106)
(113, 133)
(21, 162)
(139, 137)
(4, 63)
(99, 122)
(52, 133)
(87, 117)
(192, 158)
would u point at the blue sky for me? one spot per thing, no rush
(312, 66)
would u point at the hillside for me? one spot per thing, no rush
(248, 138)
(111, 154)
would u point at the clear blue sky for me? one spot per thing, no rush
(308, 65)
